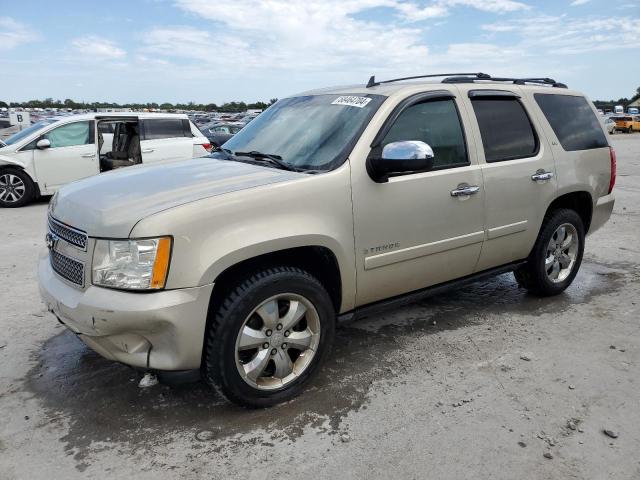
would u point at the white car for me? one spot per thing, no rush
(55, 151)
(609, 125)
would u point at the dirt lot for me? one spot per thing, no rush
(479, 383)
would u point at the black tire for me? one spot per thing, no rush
(26, 194)
(219, 361)
(533, 274)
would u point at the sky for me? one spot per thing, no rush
(249, 50)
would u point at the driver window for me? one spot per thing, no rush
(72, 134)
(435, 122)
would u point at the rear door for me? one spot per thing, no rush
(71, 156)
(165, 139)
(518, 170)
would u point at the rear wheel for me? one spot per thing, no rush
(556, 255)
(16, 188)
(268, 336)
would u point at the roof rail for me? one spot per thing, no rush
(471, 78)
(372, 81)
(517, 81)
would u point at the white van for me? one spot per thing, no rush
(52, 152)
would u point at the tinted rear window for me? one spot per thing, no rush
(505, 129)
(165, 128)
(572, 120)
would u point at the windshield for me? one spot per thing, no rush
(16, 137)
(313, 132)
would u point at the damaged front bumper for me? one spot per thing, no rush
(160, 330)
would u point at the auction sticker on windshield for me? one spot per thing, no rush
(351, 101)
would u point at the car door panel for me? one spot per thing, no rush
(411, 232)
(166, 139)
(515, 202)
(61, 164)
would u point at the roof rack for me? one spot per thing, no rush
(372, 81)
(471, 78)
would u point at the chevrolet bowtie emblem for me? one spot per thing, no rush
(50, 239)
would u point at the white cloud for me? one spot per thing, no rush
(565, 36)
(13, 33)
(313, 35)
(97, 48)
(310, 35)
(576, 3)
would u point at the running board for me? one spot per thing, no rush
(415, 296)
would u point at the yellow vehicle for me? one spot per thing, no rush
(627, 123)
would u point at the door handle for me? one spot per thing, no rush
(541, 176)
(465, 190)
(147, 150)
(88, 155)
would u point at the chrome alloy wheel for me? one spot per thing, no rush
(12, 188)
(277, 341)
(562, 251)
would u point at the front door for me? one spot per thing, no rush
(518, 169)
(71, 156)
(419, 229)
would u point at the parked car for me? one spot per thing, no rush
(55, 151)
(218, 133)
(331, 205)
(609, 125)
(627, 123)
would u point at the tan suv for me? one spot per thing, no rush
(331, 204)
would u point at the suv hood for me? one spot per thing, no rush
(110, 204)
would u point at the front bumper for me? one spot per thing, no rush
(161, 330)
(601, 212)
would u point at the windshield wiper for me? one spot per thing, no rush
(273, 159)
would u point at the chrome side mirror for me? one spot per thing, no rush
(43, 144)
(411, 156)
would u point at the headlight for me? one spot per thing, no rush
(132, 264)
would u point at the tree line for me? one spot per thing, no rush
(609, 104)
(229, 107)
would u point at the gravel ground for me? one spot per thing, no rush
(486, 382)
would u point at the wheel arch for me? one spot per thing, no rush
(579, 201)
(318, 260)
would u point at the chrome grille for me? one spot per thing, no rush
(67, 268)
(75, 237)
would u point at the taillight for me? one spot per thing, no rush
(207, 146)
(612, 178)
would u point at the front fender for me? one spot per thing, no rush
(214, 234)
(11, 162)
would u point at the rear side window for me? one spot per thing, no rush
(165, 128)
(435, 122)
(505, 128)
(572, 120)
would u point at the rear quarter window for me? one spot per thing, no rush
(155, 129)
(572, 120)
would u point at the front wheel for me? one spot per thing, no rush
(556, 255)
(16, 188)
(268, 336)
